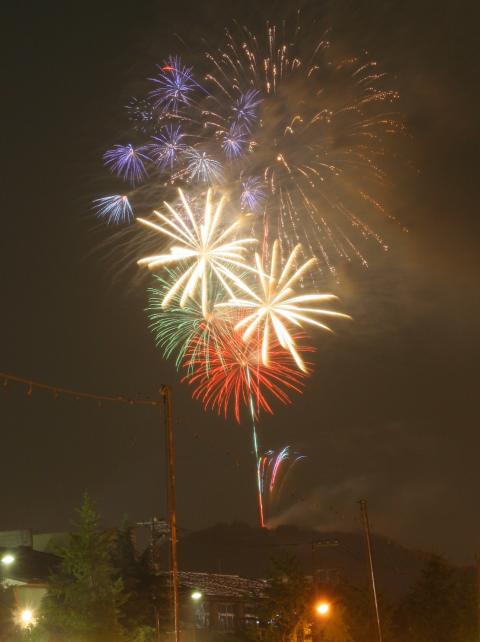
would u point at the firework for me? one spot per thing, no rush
(300, 135)
(115, 208)
(273, 470)
(128, 161)
(315, 131)
(180, 330)
(141, 114)
(273, 463)
(252, 194)
(206, 249)
(167, 147)
(274, 306)
(202, 167)
(173, 85)
(299, 138)
(231, 374)
(234, 141)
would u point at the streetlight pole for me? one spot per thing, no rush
(166, 393)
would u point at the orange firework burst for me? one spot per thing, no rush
(231, 373)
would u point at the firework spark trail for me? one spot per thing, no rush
(255, 450)
(115, 208)
(274, 468)
(180, 330)
(204, 245)
(274, 306)
(219, 375)
(230, 373)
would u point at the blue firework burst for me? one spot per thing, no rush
(234, 141)
(128, 161)
(202, 167)
(167, 146)
(115, 208)
(253, 194)
(245, 107)
(174, 85)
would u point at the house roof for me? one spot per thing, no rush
(218, 585)
(30, 566)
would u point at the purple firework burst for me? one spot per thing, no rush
(128, 161)
(234, 141)
(174, 85)
(167, 146)
(253, 194)
(245, 107)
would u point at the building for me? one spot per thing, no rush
(217, 602)
(25, 569)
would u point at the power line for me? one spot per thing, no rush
(76, 394)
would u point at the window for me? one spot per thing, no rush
(226, 617)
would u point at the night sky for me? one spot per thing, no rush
(391, 413)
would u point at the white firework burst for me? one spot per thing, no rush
(205, 247)
(273, 306)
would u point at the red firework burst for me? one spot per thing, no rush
(230, 373)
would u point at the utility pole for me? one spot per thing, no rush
(477, 561)
(366, 526)
(166, 393)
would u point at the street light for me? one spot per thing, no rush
(196, 596)
(8, 559)
(26, 618)
(323, 608)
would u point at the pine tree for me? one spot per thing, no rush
(282, 608)
(146, 593)
(85, 595)
(429, 611)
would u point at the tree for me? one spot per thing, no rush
(85, 594)
(146, 593)
(6, 613)
(287, 608)
(359, 614)
(284, 605)
(429, 612)
(466, 605)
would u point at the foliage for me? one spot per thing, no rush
(359, 614)
(440, 607)
(284, 611)
(85, 595)
(287, 608)
(6, 613)
(145, 592)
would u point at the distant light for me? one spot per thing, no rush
(8, 559)
(322, 608)
(196, 595)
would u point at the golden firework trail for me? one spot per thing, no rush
(275, 307)
(205, 247)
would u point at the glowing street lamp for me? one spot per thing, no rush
(323, 608)
(196, 596)
(26, 618)
(7, 559)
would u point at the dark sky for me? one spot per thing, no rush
(392, 411)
